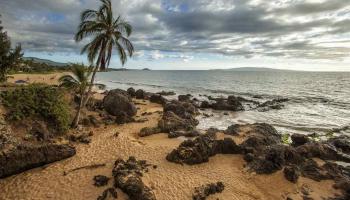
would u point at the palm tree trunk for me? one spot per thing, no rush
(75, 122)
(88, 94)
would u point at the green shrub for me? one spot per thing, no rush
(45, 102)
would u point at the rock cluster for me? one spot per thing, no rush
(201, 148)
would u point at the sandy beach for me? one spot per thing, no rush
(168, 181)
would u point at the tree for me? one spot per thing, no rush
(8, 57)
(79, 82)
(107, 33)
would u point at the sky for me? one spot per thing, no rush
(311, 35)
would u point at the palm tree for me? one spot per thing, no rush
(107, 33)
(79, 82)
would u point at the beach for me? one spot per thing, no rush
(168, 180)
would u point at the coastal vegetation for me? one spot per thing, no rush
(9, 58)
(44, 102)
(107, 33)
(78, 81)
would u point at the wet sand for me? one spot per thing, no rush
(169, 181)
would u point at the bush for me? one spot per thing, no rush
(45, 102)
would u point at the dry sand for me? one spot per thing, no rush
(169, 181)
(51, 79)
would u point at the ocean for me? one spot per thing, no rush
(319, 101)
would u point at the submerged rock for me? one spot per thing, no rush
(202, 192)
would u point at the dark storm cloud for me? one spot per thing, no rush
(245, 28)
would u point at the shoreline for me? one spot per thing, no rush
(167, 181)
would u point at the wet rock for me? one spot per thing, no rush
(291, 173)
(232, 130)
(116, 103)
(201, 148)
(342, 143)
(147, 131)
(205, 104)
(110, 192)
(186, 97)
(202, 192)
(191, 133)
(275, 104)
(131, 91)
(231, 104)
(140, 94)
(172, 122)
(165, 93)
(299, 139)
(127, 176)
(100, 180)
(25, 157)
(156, 98)
(260, 136)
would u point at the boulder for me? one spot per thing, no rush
(184, 97)
(172, 122)
(201, 148)
(231, 104)
(131, 91)
(128, 177)
(147, 131)
(232, 130)
(104, 196)
(156, 98)
(116, 103)
(291, 173)
(100, 180)
(299, 139)
(202, 192)
(140, 94)
(205, 104)
(24, 157)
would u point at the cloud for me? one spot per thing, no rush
(237, 28)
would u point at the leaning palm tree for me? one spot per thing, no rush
(78, 81)
(107, 33)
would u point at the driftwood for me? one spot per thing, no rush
(93, 166)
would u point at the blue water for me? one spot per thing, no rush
(319, 101)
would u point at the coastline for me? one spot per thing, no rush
(168, 180)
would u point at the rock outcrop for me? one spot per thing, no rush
(127, 176)
(24, 157)
(118, 102)
(201, 148)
